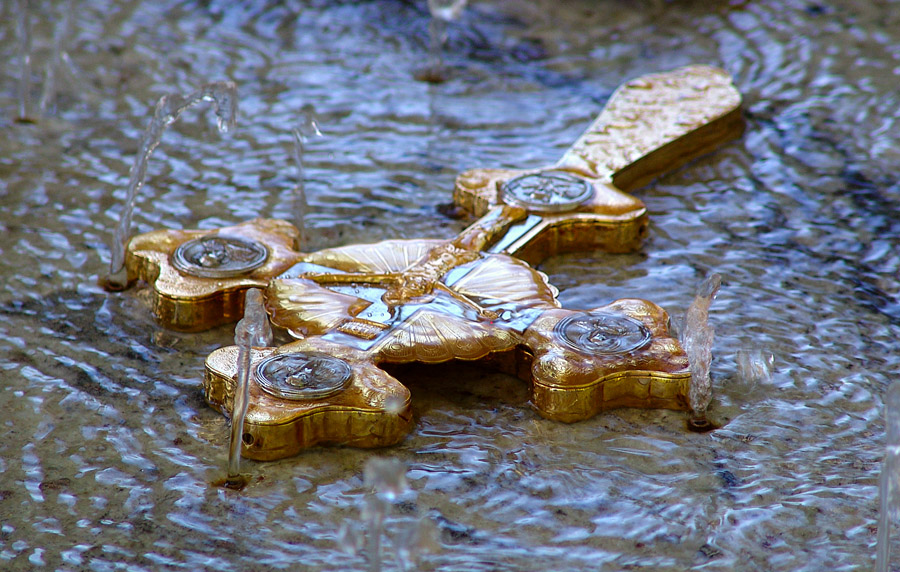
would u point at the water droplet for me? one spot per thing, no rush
(446, 10)
(386, 476)
(754, 366)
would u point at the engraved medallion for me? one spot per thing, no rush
(547, 191)
(219, 256)
(303, 376)
(602, 333)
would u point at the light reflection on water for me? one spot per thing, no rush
(109, 449)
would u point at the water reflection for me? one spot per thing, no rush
(109, 444)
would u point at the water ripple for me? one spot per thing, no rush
(110, 451)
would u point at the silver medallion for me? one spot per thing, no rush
(548, 191)
(602, 333)
(303, 376)
(219, 256)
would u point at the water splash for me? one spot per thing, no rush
(386, 477)
(446, 10)
(697, 340)
(374, 511)
(386, 481)
(442, 12)
(23, 30)
(223, 95)
(308, 127)
(889, 481)
(412, 541)
(54, 66)
(252, 331)
(754, 366)
(351, 537)
(394, 405)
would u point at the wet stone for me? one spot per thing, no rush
(55, 484)
(710, 551)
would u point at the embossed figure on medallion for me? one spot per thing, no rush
(219, 256)
(302, 375)
(548, 191)
(472, 297)
(597, 332)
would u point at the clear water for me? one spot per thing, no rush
(109, 452)
(253, 330)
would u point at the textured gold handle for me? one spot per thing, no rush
(656, 123)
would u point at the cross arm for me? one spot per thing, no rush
(656, 123)
(649, 126)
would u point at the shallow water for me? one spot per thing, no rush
(109, 449)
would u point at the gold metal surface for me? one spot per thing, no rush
(372, 411)
(571, 384)
(472, 297)
(649, 126)
(191, 303)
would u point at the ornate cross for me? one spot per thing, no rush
(473, 297)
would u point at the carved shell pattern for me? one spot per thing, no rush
(304, 308)
(381, 257)
(432, 334)
(433, 337)
(508, 279)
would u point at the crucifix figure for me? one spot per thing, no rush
(473, 297)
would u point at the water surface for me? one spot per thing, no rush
(109, 449)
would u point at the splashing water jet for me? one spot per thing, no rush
(54, 66)
(23, 29)
(308, 127)
(252, 331)
(385, 480)
(223, 95)
(889, 481)
(442, 12)
(697, 339)
(754, 366)
(300, 203)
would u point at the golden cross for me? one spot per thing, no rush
(472, 297)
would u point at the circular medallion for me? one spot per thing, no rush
(602, 333)
(548, 191)
(219, 256)
(303, 376)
